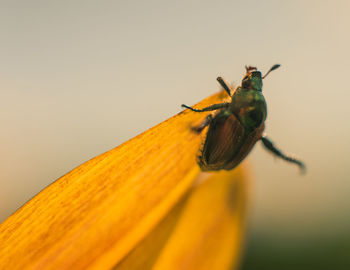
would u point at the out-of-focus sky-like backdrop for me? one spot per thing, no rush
(80, 77)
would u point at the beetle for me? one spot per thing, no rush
(237, 125)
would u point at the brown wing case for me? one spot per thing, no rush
(226, 144)
(245, 147)
(218, 147)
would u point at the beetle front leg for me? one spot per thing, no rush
(206, 122)
(209, 108)
(224, 85)
(270, 146)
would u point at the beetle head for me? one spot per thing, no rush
(253, 79)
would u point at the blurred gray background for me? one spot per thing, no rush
(80, 77)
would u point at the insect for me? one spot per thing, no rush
(237, 125)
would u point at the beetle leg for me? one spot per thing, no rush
(224, 85)
(270, 146)
(209, 108)
(206, 122)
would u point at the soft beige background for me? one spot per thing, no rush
(80, 77)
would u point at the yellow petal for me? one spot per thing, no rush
(204, 231)
(97, 214)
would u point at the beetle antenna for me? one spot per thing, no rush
(271, 69)
(224, 85)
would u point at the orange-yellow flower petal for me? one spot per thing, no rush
(96, 215)
(204, 231)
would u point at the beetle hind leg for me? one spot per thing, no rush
(270, 146)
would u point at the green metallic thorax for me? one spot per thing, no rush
(248, 103)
